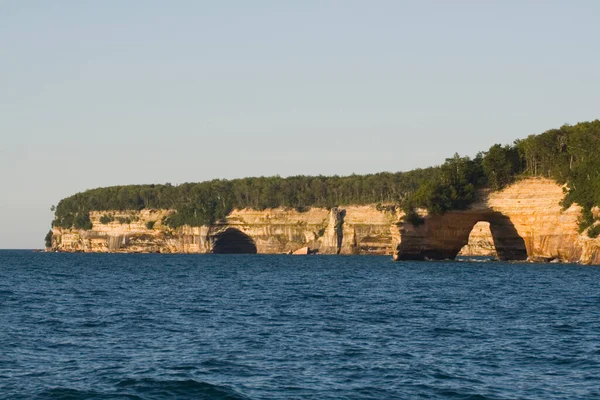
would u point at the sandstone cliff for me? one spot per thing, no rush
(523, 221)
(347, 230)
(526, 222)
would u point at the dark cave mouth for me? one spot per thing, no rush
(233, 241)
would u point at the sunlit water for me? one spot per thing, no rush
(92, 326)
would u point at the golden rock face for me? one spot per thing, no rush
(481, 242)
(351, 230)
(525, 220)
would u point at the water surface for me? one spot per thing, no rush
(108, 326)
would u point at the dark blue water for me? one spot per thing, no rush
(91, 326)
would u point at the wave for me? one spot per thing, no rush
(149, 388)
(437, 331)
(455, 394)
(74, 394)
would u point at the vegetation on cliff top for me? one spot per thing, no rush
(203, 203)
(569, 154)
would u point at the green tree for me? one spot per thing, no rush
(48, 239)
(500, 165)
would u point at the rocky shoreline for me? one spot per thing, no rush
(525, 221)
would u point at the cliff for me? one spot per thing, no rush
(347, 230)
(523, 221)
(526, 221)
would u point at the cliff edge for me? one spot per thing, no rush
(525, 221)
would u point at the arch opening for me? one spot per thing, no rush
(503, 238)
(480, 242)
(233, 241)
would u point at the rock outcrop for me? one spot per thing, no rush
(347, 230)
(526, 221)
(523, 221)
(480, 243)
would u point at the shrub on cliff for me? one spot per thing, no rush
(48, 239)
(413, 218)
(594, 231)
(106, 219)
(82, 221)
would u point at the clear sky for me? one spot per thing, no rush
(100, 93)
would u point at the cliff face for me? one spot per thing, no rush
(347, 230)
(523, 221)
(526, 221)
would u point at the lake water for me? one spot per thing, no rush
(109, 326)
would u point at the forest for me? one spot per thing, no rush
(569, 154)
(203, 203)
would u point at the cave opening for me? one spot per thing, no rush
(233, 241)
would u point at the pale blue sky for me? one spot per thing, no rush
(98, 93)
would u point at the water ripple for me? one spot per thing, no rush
(94, 326)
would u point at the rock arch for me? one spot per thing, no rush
(232, 241)
(442, 237)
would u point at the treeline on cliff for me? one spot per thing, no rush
(569, 154)
(203, 203)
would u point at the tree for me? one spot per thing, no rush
(500, 164)
(48, 239)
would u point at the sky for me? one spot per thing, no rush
(102, 93)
